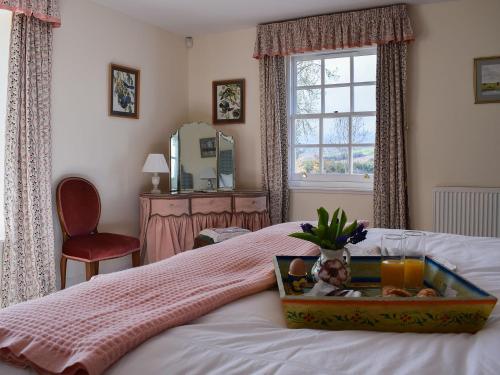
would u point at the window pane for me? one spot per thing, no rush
(363, 129)
(336, 130)
(362, 159)
(365, 68)
(336, 159)
(307, 160)
(364, 98)
(308, 101)
(307, 131)
(308, 73)
(337, 70)
(337, 99)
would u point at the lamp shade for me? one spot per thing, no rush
(207, 173)
(156, 163)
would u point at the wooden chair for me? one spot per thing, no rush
(79, 210)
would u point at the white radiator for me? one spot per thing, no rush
(467, 211)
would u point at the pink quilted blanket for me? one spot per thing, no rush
(86, 328)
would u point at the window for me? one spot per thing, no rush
(332, 119)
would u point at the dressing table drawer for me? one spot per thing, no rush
(170, 207)
(211, 205)
(250, 204)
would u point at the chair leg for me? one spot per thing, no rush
(64, 262)
(89, 270)
(136, 258)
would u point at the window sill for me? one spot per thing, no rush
(337, 187)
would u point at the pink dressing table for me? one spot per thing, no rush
(170, 222)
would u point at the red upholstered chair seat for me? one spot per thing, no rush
(100, 246)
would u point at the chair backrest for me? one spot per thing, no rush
(78, 206)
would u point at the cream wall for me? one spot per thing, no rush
(107, 150)
(452, 141)
(229, 56)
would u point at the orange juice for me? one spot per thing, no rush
(392, 272)
(414, 273)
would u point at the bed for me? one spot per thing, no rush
(248, 336)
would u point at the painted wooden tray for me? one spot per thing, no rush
(463, 307)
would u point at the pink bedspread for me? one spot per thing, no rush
(86, 328)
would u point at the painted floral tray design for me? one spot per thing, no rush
(462, 307)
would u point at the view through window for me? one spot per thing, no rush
(332, 118)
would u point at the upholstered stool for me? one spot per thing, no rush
(210, 236)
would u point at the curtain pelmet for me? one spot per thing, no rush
(334, 31)
(44, 10)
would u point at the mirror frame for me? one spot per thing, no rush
(228, 138)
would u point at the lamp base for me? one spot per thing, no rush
(156, 181)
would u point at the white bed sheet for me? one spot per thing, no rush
(249, 336)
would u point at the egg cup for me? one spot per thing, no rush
(297, 282)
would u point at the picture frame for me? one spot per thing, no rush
(124, 91)
(228, 101)
(487, 79)
(208, 147)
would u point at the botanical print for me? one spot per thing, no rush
(123, 92)
(490, 79)
(124, 95)
(228, 101)
(487, 78)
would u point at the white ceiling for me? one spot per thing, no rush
(195, 17)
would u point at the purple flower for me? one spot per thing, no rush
(306, 228)
(358, 235)
(341, 241)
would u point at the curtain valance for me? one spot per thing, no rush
(44, 10)
(334, 31)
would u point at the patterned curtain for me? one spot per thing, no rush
(274, 135)
(28, 268)
(387, 27)
(390, 193)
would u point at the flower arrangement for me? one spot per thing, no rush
(334, 235)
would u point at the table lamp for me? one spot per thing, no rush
(155, 163)
(208, 174)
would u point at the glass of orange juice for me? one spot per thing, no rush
(414, 245)
(392, 267)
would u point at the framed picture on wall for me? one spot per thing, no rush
(124, 93)
(487, 79)
(207, 147)
(228, 101)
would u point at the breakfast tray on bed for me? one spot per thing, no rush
(462, 307)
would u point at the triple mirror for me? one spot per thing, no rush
(201, 159)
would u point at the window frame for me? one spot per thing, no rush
(323, 181)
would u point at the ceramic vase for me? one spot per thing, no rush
(333, 267)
